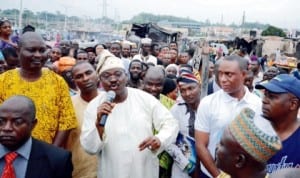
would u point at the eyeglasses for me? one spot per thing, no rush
(108, 76)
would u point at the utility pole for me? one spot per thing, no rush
(222, 19)
(244, 19)
(46, 24)
(65, 24)
(104, 9)
(20, 15)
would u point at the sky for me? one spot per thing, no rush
(280, 13)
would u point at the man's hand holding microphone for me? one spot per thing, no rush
(152, 142)
(103, 110)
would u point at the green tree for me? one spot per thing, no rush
(273, 31)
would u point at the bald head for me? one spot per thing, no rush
(28, 36)
(154, 81)
(20, 103)
(155, 72)
(17, 115)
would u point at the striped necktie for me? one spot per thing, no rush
(8, 170)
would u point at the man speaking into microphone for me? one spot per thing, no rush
(120, 129)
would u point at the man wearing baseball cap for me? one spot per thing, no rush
(280, 106)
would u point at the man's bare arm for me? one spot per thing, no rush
(61, 138)
(202, 139)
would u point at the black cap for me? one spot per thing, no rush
(28, 28)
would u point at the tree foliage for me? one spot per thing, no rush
(273, 31)
(147, 17)
(253, 25)
(39, 18)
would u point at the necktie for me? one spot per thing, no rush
(8, 170)
(191, 120)
(192, 123)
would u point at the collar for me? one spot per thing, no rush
(227, 98)
(24, 150)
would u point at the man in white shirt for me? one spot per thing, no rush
(125, 55)
(184, 151)
(217, 110)
(146, 56)
(86, 79)
(116, 49)
(124, 141)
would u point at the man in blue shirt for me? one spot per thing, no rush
(280, 106)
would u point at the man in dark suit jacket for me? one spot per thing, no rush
(34, 158)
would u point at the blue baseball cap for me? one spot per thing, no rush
(282, 83)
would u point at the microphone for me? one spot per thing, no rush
(110, 96)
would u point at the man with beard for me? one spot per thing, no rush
(146, 56)
(281, 104)
(85, 78)
(121, 131)
(65, 47)
(135, 71)
(49, 91)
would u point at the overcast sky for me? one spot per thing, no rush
(281, 13)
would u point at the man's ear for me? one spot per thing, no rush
(34, 122)
(240, 160)
(244, 74)
(294, 104)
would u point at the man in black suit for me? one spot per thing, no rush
(30, 158)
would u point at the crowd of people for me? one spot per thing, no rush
(121, 110)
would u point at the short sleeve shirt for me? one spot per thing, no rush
(51, 97)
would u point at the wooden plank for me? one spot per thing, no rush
(205, 68)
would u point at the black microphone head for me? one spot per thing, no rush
(110, 96)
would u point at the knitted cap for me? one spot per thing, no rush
(256, 137)
(109, 62)
(186, 76)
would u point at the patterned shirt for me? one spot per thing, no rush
(166, 101)
(224, 175)
(51, 97)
